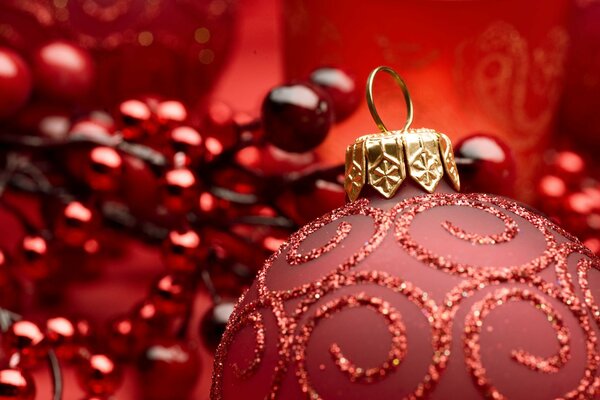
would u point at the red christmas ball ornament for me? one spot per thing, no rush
(342, 90)
(171, 112)
(169, 369)
(75, 224)
(104, 168)
(296, 117)
(26, 339)
(15, 82)
(16, 384)
(181, 250)
(414, 290)
(488, 165)
(99, 375)
(63, 70)
(127, 337)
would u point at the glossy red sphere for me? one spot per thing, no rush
(105, 167)
(179, 190)
(63, 337)
(187, 141)
(169, 369)
(15, 82)
(75, 224)
(16, 384)
(126, 337)
(296, 117)
(171, 112)
(342, 90)
(33, 257)
(488, 165)
(26, 339)
(181, 250)
(220, 128)
(63, 70)
(214, 322)
(135, 119)
(172, 293)
(99, 374)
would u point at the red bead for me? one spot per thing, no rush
(312, 200)
(341, 88)
(492, 167)
(135, 119)
(270, 161)
(171, 112)
(92, 128)
(214, 322)
(16, 384)
(187, 140)
(63, 70)
(98, 374)
(179, 190)
(296, 117)
(181, 250)
(126, 337)
(33, 257)
(220, 128)
(568, 165)
(104, 168)
(27, 340)
(63, 337)
(75, 224)
(15, 82)
(169, 370)
(171, 294)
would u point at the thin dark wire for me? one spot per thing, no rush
(57, 381)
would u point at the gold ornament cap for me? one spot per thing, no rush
(384, 160)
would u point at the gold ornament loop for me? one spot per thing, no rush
(371, 103)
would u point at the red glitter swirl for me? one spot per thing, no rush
(315, 301)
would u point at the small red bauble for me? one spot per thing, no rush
(33, 257)
(341, 88)
(62, 335)
(63, 70)
(296, 117)
(187, 140)
(220, 128)
(105, 167)
(135, 119)
(27, 340)
(169, 369)
(16, 384)
(171, 112)
(213, 323)
(127, 337)
(490, 167)
(179, 190)
(181, 250)
(171, 294)
(75, 224)
(15, 82)
(99, 374)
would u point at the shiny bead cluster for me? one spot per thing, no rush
(217, 190)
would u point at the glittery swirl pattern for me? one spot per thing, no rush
(345, 287)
